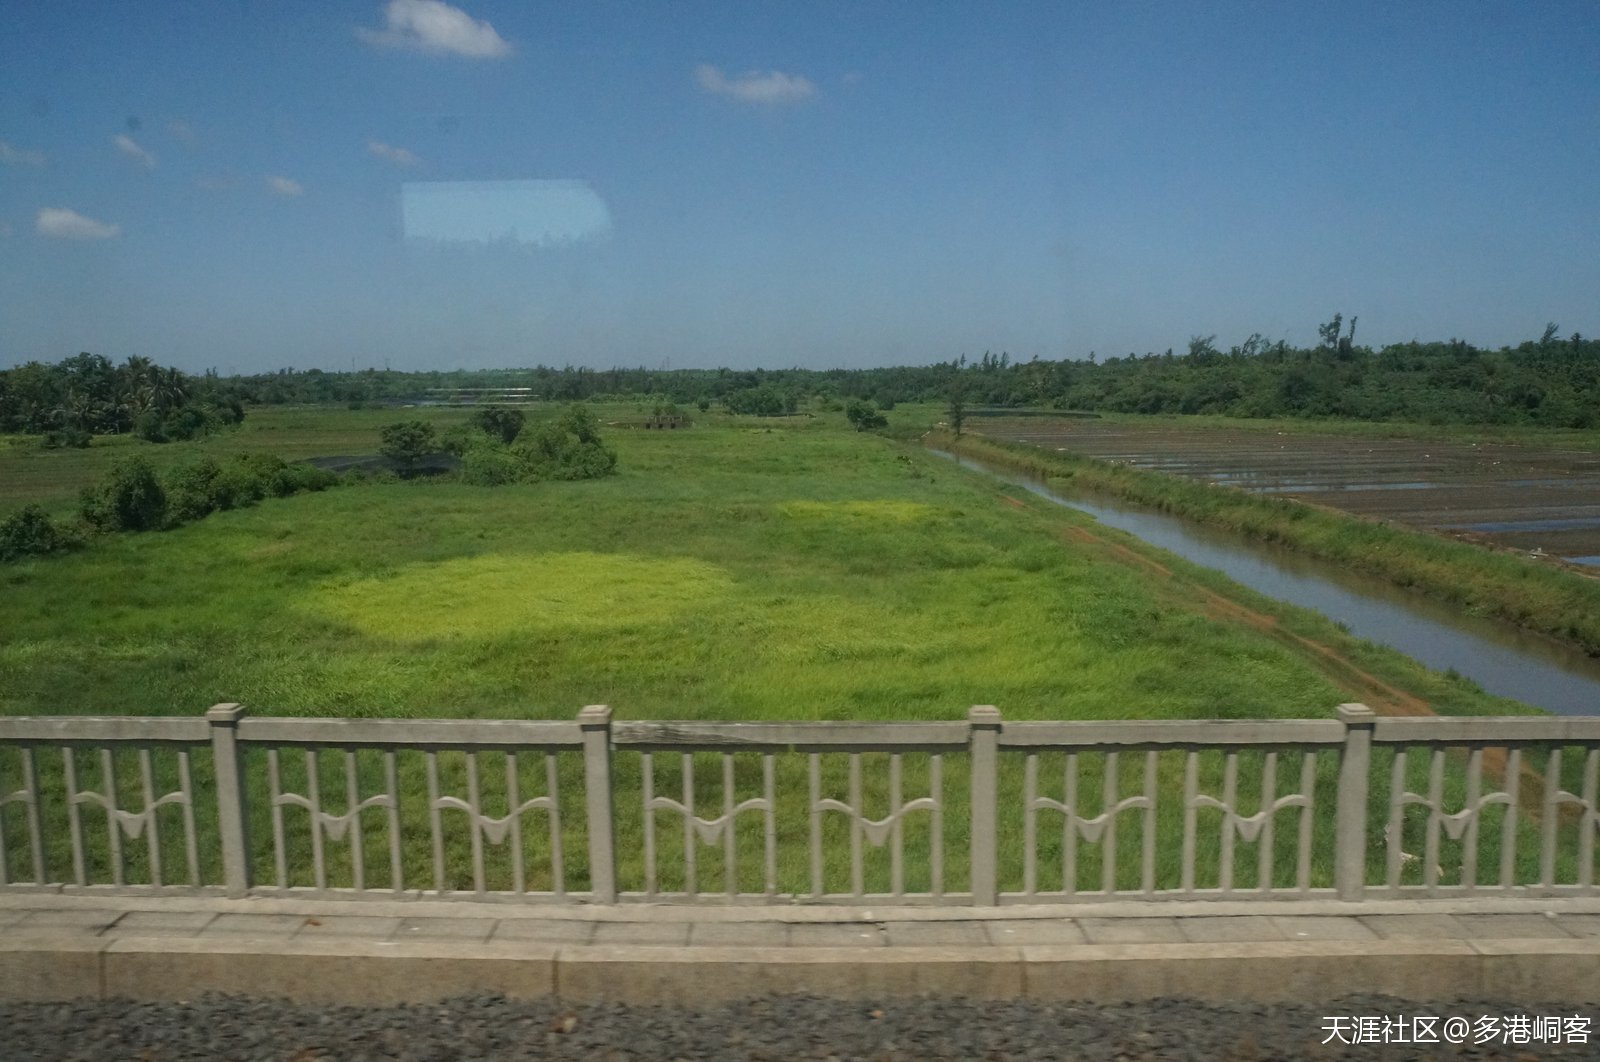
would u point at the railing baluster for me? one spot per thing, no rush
(147, 782)
(1397, 817)
(897, 873)
(648, 783)
(108, 778)
(1030, 792)
(475, 814)
(1469, 839)
(191, 845)
(5, 858)
(1508, 825)
(1191, 790)
(1069, 826)
(1148, 874)
(1308, 789)
(1430, 868)
(280, 856)
(319, 863)
(816, 824)
(730, 855)
(74, 821)
(30, 784)
(558, 860)
(936, 841)
(857, 868)
(352, 795)
(514, 825)
(1110, 787)
(1230, 811)
(770, 819)
(690, 877)
(1266, 839)
(1586, 821)
(432, 761)
(391, 783)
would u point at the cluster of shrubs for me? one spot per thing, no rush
(186, 422)
(134, 497)
(498, 447)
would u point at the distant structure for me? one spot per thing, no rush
(481, 396)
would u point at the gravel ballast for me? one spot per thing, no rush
(787, 1027)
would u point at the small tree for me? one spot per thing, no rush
(130, 498)
(499, 421)
(958, 409)
(407, 443)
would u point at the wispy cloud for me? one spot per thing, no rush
(285, 187)
(15, 156)
(63, 224)
(774, 86)
(398, 155)
(181, 130)
(130, 147)
(434, 26)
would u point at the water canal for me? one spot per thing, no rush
(1500, 658)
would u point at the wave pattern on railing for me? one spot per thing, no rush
(981, 812)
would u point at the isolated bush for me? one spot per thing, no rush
(31, 533)
(192, 491)
(500, 422)
(66, 438)
(864, 416)
(407, 442)
(130, 498)
(492, 466)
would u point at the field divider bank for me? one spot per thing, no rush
(1521, 591)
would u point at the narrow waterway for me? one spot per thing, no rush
(1500, 658)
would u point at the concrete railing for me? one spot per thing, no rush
(1024, 812)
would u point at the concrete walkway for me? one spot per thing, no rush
(66, 947)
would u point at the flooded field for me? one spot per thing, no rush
(1535, 501)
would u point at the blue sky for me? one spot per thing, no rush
(249, 186)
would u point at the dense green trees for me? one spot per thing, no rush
(86, 395)
(1549, 381)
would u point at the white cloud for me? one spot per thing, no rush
(130, 147)
(14, 156)
(434, 26)
(181, 130)
(66, 224)
(773, 86)
(398, 155)
(284, 186)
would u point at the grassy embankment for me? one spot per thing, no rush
(1483, 582)
(741, 569)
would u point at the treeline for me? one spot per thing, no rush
(1550, 381)
(86, 395)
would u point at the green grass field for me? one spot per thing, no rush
(741, 569)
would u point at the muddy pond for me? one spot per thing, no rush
(1536, 501)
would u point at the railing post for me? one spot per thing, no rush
(983, 721)
(1355, 769)
(229, 768)
(596, 723)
